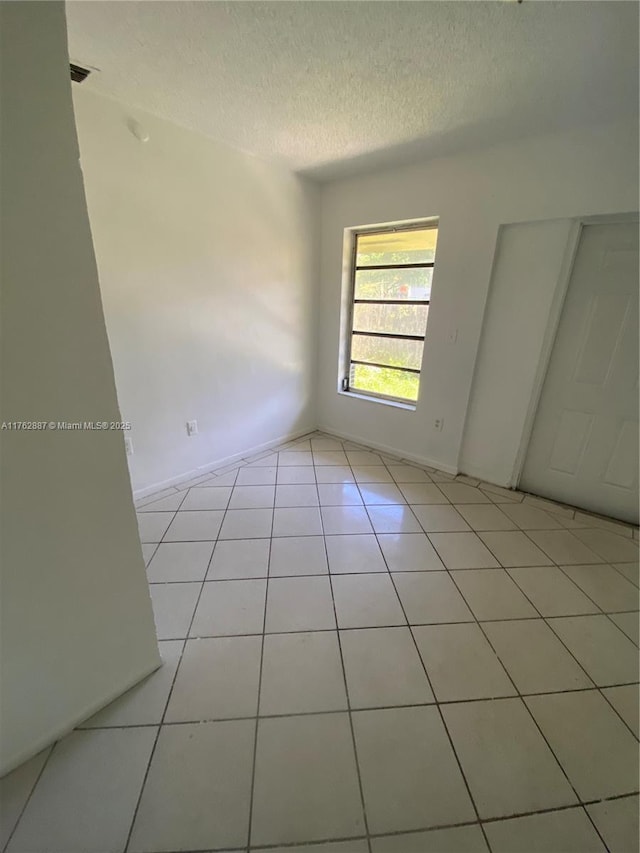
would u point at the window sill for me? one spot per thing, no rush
(408, 407)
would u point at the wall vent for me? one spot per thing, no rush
(78, 73)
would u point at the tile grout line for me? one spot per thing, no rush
(597, 561)
(528, 709)
(169, 695)
(525, 704)
(363, 804)
(156, 545)
(601, 612)
(434, 703)
(161, 542)
(596, 686)
(546, 620)
(28, 799)
(453, 749)
(259, 697)
(385, 625)
(600, 689)
(405, 832)
(518, 527)
(556, 565)
(433, 693)
(504, 668)
(600, 562)
(622, 574)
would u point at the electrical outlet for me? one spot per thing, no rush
(438, 424)
(128, 446)
(192, 427)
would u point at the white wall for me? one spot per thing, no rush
(208, 273)
(77, 626)
(555, 177)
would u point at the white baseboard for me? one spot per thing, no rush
(393, 451)
(61, 731)
(209, 467)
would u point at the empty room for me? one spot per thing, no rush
(319, 428)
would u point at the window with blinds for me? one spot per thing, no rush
(392, 272)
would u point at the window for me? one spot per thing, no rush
(391, 290)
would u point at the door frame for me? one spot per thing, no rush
(551, 331)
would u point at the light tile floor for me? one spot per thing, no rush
(361, 656)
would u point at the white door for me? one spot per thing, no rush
(584, 445)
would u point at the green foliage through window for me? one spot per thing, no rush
(388, 335)
(387, 383)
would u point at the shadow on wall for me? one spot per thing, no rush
(207, 260)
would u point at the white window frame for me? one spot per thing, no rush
(348, 302)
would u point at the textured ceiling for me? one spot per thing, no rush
(330, 88)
